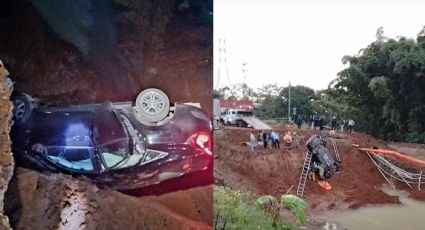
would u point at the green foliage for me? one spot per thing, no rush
(301, 98)
(266, 200)
(231, 211)
(274, 103)
(268, 203)
(384, 88)
(296, 205)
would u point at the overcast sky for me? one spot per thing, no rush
(303, 41)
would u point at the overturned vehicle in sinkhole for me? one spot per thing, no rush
(323, 162)
(116, 145)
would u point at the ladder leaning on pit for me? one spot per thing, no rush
(304, 173)
(336, 153)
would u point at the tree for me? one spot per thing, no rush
(301, 98)
(384, 88)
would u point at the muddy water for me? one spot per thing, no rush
(408, 215)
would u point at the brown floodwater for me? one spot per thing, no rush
(408, 215)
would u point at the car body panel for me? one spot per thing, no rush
(321, 155)
(82, 129)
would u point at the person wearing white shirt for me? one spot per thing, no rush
(350, 125)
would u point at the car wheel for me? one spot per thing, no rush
(22, 108)
(152, 105)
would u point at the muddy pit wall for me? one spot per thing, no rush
(157, 44)
(51, 201)
(274, 172)
(6, 158)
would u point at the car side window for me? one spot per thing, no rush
(72, 158)
(113, 153)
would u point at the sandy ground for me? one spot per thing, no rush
(275, 171)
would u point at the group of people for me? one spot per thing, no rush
(345, 125)
(315, 121)
(318, 122)
(272, 139)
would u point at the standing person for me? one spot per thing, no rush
(321, 121)
(315, 122)
(333, 122)
(312, 121)
(252, 141)
(276, 140)
(350, 125)
(273, 135)
(265, 139)
(288, 140)
(341, 123)
(299, 121)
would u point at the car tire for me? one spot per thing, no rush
(152, 105)
(22, 108)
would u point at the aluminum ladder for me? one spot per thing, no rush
(304, 173)
(335, 148)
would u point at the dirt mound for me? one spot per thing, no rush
(275, 171)
(50, 201)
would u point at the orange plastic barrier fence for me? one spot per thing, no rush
(395, 153)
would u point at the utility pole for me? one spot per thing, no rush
(219, 65)
(222, 57)
(289, 102)
(244, 75)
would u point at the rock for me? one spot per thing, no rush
(6, 158)
(49, 201)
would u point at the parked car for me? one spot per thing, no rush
(117, 145)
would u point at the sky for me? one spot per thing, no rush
(302, 41)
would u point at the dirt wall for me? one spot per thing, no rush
(6, 158)
(51, 201)
(276, 171)
(161, 44)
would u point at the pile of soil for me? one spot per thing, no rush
(50, 201)
(275, 171)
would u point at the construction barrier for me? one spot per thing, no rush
(394, 153)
